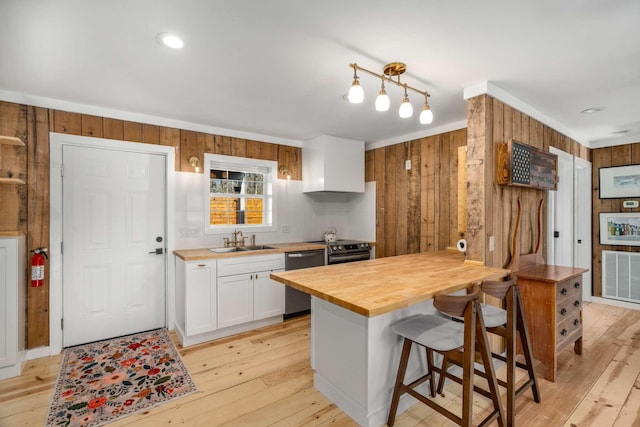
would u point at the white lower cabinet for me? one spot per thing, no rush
(245, 291)
(268, 295)
(12, 305)
(217, 298)
(235, 294)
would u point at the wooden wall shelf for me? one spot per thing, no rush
(15, 141)
(526, 166)
(11, 140)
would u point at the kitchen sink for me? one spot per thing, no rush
(225, 250)
(255, 248)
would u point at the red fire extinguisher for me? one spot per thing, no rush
(37, 267)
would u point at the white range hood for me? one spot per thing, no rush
(332, 164)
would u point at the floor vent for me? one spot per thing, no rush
(621, 275)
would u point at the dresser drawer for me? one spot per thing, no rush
(567, 308)
(571, 288)
(568, 327)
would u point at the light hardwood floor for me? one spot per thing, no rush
(263, 378)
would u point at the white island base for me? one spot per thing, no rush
(355, 359)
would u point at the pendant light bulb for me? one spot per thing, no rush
(406, 109)
(426, 116)
(356, 93)
(382, 101)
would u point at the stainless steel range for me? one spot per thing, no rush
(347, 251)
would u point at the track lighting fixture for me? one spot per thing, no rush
(393, 69)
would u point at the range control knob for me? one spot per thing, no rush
(339, 248)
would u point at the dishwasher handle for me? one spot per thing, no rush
(301, 254)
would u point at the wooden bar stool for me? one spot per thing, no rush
(455, 341)
(507, 323)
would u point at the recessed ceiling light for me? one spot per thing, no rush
(592, 110)
(620, 132)
(170, 40)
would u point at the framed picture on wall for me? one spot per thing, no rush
(620, 228)
(620, 181)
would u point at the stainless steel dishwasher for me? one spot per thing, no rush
(297, 303)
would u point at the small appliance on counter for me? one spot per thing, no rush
(331, 235)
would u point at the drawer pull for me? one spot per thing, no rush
(576, 322)
(576, 285)
(563, 332)
(202, 265)
(563, 291)
(563, 311)
(576, 303)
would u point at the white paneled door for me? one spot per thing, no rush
(113, 228)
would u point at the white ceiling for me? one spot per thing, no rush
(279, 68)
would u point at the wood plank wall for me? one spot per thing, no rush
(416, 209)
(621, 155)
(492, 122)
(26, 207)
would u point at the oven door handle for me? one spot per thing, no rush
(361, 256)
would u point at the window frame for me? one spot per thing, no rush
(218, 161)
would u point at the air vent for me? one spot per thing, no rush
(621, 275)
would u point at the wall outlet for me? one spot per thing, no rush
(492, 243)
(407, 165)
(285, 228)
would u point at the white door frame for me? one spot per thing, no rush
(56, 142)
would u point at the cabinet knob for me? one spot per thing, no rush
(563, 332)
(563, 311)
(576, 285)
(563, 291)
(576, 303)
(576, 322)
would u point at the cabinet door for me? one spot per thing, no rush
(200, 304)
(268, 296)
(235, 299)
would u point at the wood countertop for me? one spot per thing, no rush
(205, 253)
(549, 273)
(378, 286)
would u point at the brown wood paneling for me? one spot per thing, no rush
(13, 164)
(380, 178)
(191, 144)
(427, 191)
(443, 190)
(401, 194)
(414, 197)
(67, 122)
(390, 219)
(170, 137)
(262, 150)
(92, 126)
(222, 145)
(238, 147)
(478, 137)
(369, 166)
(132, 131)
(150, 134)
(38, 222)
(290, 158)
(113, 128)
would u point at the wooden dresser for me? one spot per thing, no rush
(552, 297)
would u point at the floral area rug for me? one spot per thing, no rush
(106, 380)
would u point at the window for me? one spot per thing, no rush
(239, 194)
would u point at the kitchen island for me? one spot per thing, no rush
(354, 353)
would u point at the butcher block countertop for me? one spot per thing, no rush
(205, 253)
(549, 273)
(378, 286)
